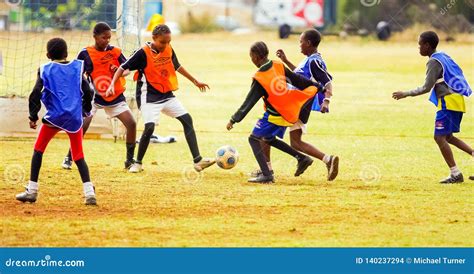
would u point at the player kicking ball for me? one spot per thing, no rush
(157, 64)
(66, 96)
(283, 103)
(448, 87)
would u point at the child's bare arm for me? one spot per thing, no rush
(202, 86)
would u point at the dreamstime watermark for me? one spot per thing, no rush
(14, 174)
(370, 174)
(46, 262)
(279, 85)
(447, 7)
(191, 176)
(370, 3)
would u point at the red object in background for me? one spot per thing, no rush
(309, 10)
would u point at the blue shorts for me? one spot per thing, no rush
(447, 122)
(266, 130)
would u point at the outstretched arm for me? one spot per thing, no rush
(202, 86)
(256, 92)
(281, 54)
(434, 70)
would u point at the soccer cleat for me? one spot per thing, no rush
(453, 179)
(27, 197)
(471, 178)
(303, 164)
(67, 163)
(129, 163)
(135, 168)
(262, 179)
(90, 200)
(333, 167)
(203, 164)
(258, 172)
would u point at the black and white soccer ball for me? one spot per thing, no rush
(227, 157)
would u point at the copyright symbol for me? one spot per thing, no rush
(408, 260)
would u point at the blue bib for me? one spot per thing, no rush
(452, 76)
(304, 69)
(62, 94)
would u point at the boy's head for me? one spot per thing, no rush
(161, 37)
(259, 53)
(428, 42)
(309, 41)
(102, 34)
(56, 49)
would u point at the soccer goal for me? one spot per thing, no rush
(27, 25)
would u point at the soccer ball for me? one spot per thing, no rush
(227, 157)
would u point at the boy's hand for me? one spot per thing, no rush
(230, 125)
(32, 124)
(110, 91)
(399, 95)
(202, 86)
(325, 106)
(281, 54)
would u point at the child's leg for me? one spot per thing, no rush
(297, 143)
(85, 127)
(279, 144)
(45, 135)
(460, 144)
(190, 135)
(75, 140)
(445, 149)
(145, 141)
(256, 145)
(128, 121)
(266, 152)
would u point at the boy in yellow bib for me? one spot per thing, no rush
(448, 87)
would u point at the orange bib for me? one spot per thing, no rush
(159, 70)
(287, 100)
(102, 73)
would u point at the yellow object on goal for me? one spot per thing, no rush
(155, 20)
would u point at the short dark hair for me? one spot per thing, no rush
(313, 36)
(100, 28)
(431, 38)
(260, 49)
(57, 49)
(160, 30)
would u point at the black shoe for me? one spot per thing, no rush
(453, 179)
(303, 164)
(471, 178)
(129, 163)
(262, 179)
(333, 167)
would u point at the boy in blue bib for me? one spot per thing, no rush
(448, 86)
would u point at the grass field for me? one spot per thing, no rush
(386, 194)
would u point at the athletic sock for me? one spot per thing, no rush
(269, 164)
(259, 156)
(326, 158)
(32, 187)
(69, 154)
(36, 161)
(286, 148)
(83, 170)
(130, 150)
(145, 141)
(190, 135)
(455, 171)
(88, 189)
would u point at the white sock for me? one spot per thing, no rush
(32, 187)
(88, 189)
(455, 171)
(269, 164)
(326, 159)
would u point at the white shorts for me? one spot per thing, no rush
(151, 112)
(299, 125)
(111, 111)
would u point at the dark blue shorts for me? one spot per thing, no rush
(266, 130)
(447, 122)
